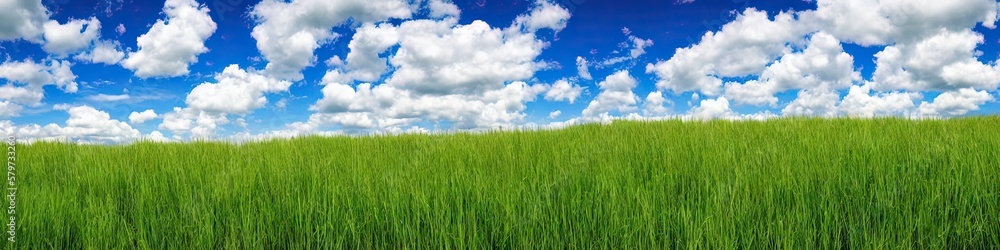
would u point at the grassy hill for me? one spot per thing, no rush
(786, 183)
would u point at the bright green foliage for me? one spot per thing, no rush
(786, 183)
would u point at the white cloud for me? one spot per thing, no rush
(943, 61)
(442, 57)
(288, 33)
(108, 98)
(37, 75)
(236, 92)
(743, 47)
(639, 46)
(345, 121)
(563, 90)
(75, 35)
(22, 19)
(712, 109)
(363, 61)
(337, 97)
(656, 104)
(440, 8)
(171, 45)
(885, 22)
(930, 45)
(29, 20)
(387, 106)
(862, 102)
(616, 94)
(955, 103)
(142, 117)
(544, 15)
(628, 51)
(105, 52)
(85, 125)
(156, 136)
(21, 95)
(8, 109)
(467, 76)
(813, 102)
(582, 68)
(555, 114)
(200, 124)
(822, 64)
(26, 80)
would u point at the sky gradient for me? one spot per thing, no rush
(114, 71)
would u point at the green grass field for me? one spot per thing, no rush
(787, 183)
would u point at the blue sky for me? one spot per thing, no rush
(115, 70)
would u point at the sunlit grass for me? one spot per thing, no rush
(787, 183)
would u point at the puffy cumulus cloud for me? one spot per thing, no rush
(85, 125)
(171, 45)
(21, 95)
(712, 109)
(288, 33)
(442, 57)
(75, 35)
(26, 80)
(199, 124)
(388, 107)
(363, 61)
(505, 106)
(22, 19)
(955, 103)
(468, 76)
(743, 47)
(943, 61)
(890, 21)
(36, 75)
(544, 15)
(616, 94)
(155, 136)
(583, 69)
(338, 97)
(8, 109)
(142, 117)
(106, 52)
(440, 8)
(563, 90)
(813, 102)
(656, 104)
(929, 46)
(29, 20)
(823, 64)
(236, 92)
(861, 101)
